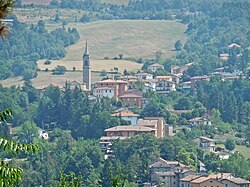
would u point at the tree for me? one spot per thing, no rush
(47, 62)
(120, 56)
(230, 144)
(178, 45)
(5, 10)
(103, 73)
(28, 132)
(185, 158)
(10, 176)
(59, 70)
(117, 180)
(70, 180)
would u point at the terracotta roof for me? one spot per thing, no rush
(220, 175)
(160, 163)
(175, 67)
(104, 88)
(190, 178)
(130, 128)
(200, 180)
(224, 55)
(219, 69)
(125, 113)
(238, 181)
(163, 77)
(143, 122)
(156, 65)
(233, 45)
(130, 96)
(199, 77)
(155, 118)
(78, 82)
(112, 81)
(207, 139)
(136, 92)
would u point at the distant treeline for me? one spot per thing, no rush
(26, 44)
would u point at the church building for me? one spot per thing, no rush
(86, 68)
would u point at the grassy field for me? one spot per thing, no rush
(245, 151)
(96, 65)
(46, 78)
(132, 38)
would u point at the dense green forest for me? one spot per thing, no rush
(76, 123)
(28, 43)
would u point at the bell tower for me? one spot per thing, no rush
(86, 68)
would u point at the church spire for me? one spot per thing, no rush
(86, 49)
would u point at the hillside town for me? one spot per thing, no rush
(124, 93)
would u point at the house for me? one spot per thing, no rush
(144, 76)
(164, 84)
(168, 173)
(233, 45)
(224, 56)
(127, 116)
(76, 84)
(129, 78)
(129, 131)
(119, 87)
(176, 78)
(236, 182)
(185, 182)
(101, 92)
(199, 121)
(155, 67)
(180, 70)
(43, 134)
(185, 86)
(132, 98)
(106, 143)
(158, 123)
(196, 79)
(206, 182)
(150, 84)
(205, 143)
(198, 180)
